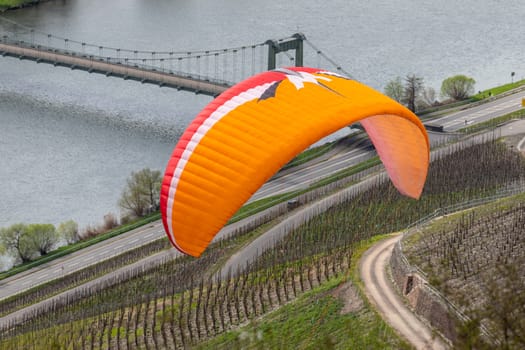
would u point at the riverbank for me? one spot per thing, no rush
(16, 4)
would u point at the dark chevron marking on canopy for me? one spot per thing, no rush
(270, 92)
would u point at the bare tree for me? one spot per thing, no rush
(413, 88)
(110, 221)
(428, 96)
(132, 201)
(149, 181)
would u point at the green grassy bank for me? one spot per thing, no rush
(12, 4)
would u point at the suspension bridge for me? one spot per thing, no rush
(208, 72)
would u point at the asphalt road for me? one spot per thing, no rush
(285, 181)
(240, 259)
(260, 244)
(264, 242)
(483, 112)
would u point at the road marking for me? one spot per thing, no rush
(479, 111)
(99, 251)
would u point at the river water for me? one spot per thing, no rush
(69, 140)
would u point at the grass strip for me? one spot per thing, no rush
(7, 4)
(492, 123)
(439, 111)
(310, 154)
(498, 90)
(62, 251)
(59, 285)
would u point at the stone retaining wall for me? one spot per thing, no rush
(422, 299)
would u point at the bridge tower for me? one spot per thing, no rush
(295, 42)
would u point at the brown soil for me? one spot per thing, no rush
(347, 293)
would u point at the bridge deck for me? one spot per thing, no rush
(95, 64)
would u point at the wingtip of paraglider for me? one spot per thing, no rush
(414, 191)
(186, 251)
(191, 252)
(416, 196)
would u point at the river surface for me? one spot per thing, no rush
(69, 140)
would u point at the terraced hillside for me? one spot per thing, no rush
(477, 259)
(180, 305)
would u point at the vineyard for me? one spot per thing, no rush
(477, 259)
(183, 303)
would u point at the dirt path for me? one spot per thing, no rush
(380, 292)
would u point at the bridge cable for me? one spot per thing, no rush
(149, 59)
(337, 66)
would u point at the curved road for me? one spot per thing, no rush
(374, 268)
(381, 293)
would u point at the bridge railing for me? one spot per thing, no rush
(224, 66)
(221, 66)
(141, 64)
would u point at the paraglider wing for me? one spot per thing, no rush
(244, 136)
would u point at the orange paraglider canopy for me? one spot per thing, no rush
(244, 136)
